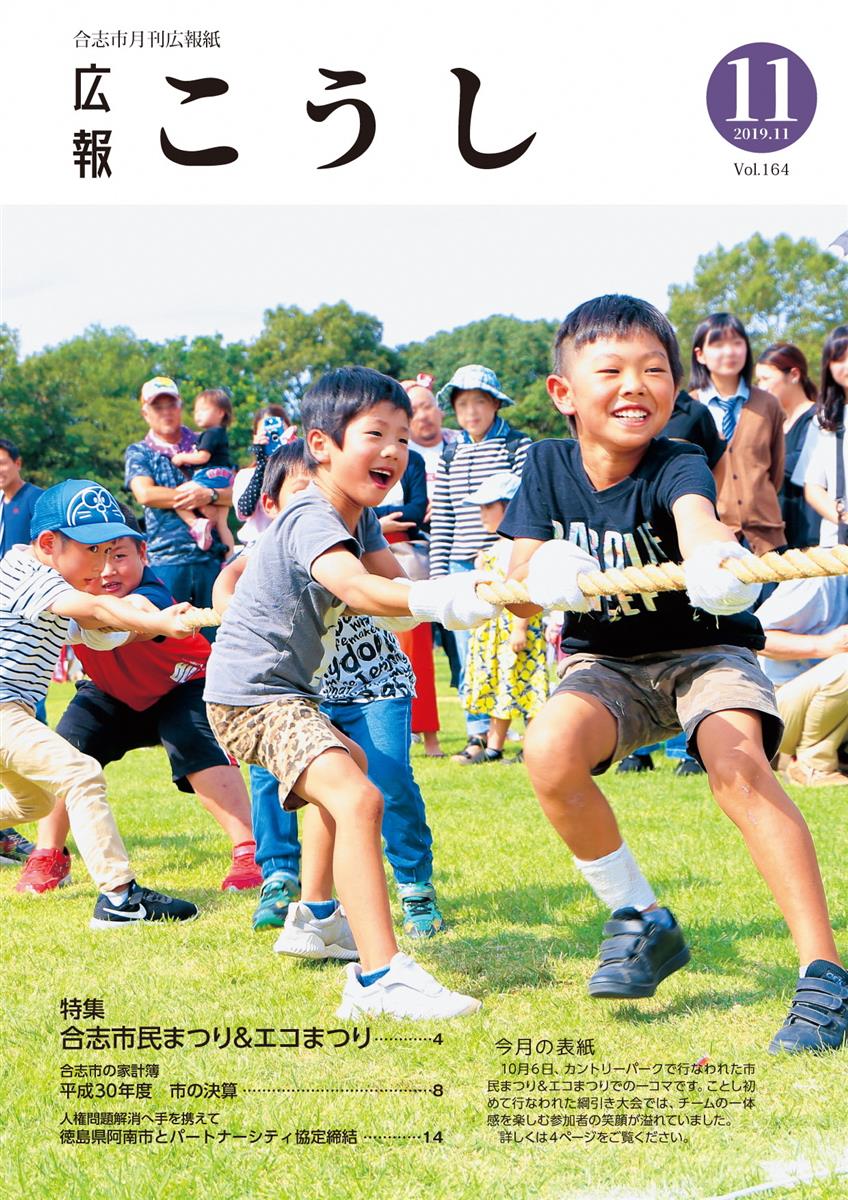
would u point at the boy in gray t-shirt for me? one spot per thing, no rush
(324, 554)
(281, 622)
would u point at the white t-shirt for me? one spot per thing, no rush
(821, 470)
(368, 664)
(259, 520)
(808, 606)
(31, 637)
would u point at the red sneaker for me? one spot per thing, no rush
(44, 871)
(244, 873)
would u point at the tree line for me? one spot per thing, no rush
(73, 408)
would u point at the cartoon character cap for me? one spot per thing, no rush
(83, 511)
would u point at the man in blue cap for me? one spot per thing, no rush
(42, 605)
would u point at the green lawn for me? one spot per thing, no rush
(523, 935)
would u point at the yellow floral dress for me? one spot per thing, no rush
(498, 681)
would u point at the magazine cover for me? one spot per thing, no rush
(327, 885)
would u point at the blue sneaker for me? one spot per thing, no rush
(14, 847)
(278, 891)
(421, 916)
(818, 1018)
(638, 951)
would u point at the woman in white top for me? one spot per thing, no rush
(271, 429)
(782, 370)
(824, 482)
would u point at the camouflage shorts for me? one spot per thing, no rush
(283, 736)
(653, 696)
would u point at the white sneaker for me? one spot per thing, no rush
(407, 990)
(307, 936)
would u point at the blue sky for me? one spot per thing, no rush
(171, 271)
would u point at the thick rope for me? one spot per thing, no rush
(668, 577)
(199, 618)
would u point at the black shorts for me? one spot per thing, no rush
(107, 729)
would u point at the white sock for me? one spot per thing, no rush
(117, 898)
(617, 881)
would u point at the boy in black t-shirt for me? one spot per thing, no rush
(643, 666)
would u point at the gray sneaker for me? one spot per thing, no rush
(307, 936)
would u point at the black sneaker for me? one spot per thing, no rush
(635, 762)
(689, 766)
(638, 951)
(140, 905)
(818, 1017)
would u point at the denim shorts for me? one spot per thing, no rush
(214, 477)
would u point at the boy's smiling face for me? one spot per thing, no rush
(122, 570)
(620, 391)
(372, 457)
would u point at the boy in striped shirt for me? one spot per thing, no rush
(43, 605)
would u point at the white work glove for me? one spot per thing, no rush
(397, 624)
(452, 600)
(552, 575)
(714, 588)
(96, 639)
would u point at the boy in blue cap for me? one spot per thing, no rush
(42, 606)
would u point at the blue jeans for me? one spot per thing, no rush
(676, 747)
(476, 724)
(274, 831)
(191, 581)
(382, 729)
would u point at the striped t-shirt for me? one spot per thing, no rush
(456, 530)
(31, 637)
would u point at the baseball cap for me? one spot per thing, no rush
(470, 378)
(161, 385)
(501, 486)
(81, 510)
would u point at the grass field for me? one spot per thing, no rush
(523, 936)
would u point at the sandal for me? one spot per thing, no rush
(468, 755)
(488, 756)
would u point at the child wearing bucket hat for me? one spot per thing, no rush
(487, 445)
(507, 666)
